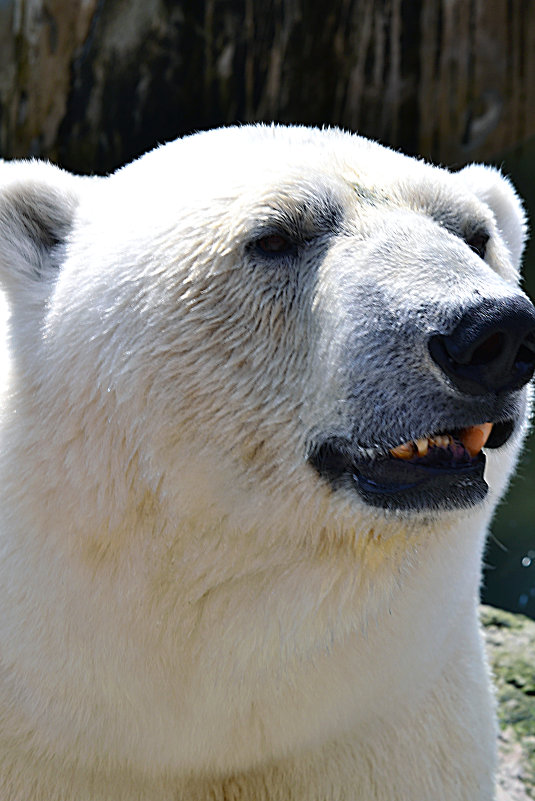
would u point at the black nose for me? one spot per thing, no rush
(492, 349)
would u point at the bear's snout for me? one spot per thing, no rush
(491, 349)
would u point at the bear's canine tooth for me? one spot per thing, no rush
(404, 451)
(475, 437)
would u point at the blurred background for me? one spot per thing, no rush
(91, 84)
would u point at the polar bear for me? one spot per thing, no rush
(264, 388)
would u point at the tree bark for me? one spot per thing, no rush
(93, 83)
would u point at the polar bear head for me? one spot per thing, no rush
(258, 318)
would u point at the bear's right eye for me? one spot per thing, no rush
(275, 244)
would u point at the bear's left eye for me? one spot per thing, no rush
(276, 245)
(478, 242)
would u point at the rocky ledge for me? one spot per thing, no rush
(511, 650)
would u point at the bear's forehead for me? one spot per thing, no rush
(256, 156)
(254, 173)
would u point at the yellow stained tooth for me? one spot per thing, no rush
(422, 445)
(475, 437)
(405, 451)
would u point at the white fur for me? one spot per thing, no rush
(188, 610)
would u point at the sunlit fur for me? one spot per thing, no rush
(189, 612)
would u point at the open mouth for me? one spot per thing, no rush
(442, 471)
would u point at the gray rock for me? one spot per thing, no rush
(511, 651)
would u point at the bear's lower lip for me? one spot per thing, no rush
(445, 478)
(393, 484)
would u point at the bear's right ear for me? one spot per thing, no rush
(38, 202)
(498, 193)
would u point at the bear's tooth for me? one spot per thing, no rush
(405, 451)
(475, 437)
(422, 445)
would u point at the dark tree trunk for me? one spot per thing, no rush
(92, 83)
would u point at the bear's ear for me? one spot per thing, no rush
(498, 193)
(37, 206)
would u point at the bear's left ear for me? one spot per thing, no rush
(500, 196)
(38, 202)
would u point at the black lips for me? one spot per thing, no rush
(446, 478)
(395, 484)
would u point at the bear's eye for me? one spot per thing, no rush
(276, 245)
(478, 242)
